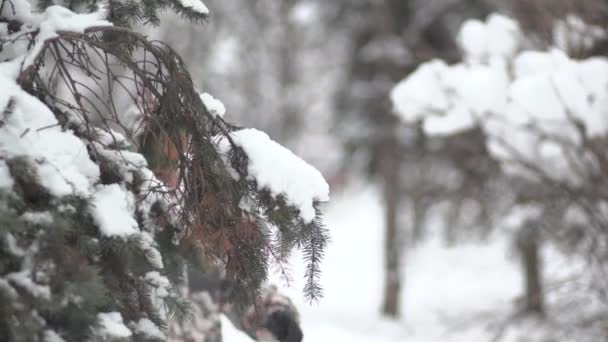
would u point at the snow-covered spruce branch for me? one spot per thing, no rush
(73, 174)
(157, 81)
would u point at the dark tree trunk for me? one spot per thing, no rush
(392, 254)
(392, 246)
(528, 243)
(419, 208)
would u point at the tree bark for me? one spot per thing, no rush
(528, 243)
(392, 248)
(419, 208)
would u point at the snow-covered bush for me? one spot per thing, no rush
(534, 106)
(92, 244)
(545, 119)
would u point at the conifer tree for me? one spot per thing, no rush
(93, 246)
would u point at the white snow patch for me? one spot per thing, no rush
(126, 162)
(421, 93)
(111, 325)
(148, 245)
(231, 333)
(112, 209)
(22, 279)
(148, 329)
(572, 34)
(6, 181)
(51, 336)
(214, 106)
(160, 282)
(498, 37)
(449, 294)
(160, 289)
(195, 5)
(277, 169)
(31, 131)
(37, 217)
(56, 19)
(12, 246)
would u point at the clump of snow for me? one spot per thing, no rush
(23, 280)
(12, 246)
(160, 288)
(148, 245)
(195, 5)
(58, 18)
(160, 282)
(112, 209)
(51, 336)
(412, 96)
(125, 162)
(148, 329)
(31, 131)
(110, 138)
(277, 169)
(111, 325)
(37, 217)
(214, 106)
(6, 181)
(498, 37)
(572, 34)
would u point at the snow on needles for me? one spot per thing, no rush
(214, 106)
(32, 132)
(58, 18)
(195, 5)
(277, 169)
(112, 325)
(148, 329)
(112, 209)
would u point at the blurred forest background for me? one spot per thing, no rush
(432, 238)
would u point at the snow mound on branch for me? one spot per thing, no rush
(195, 5)
(23, 280)
(6, 181)
(31, 131)
(112, 325)
(526, 102)
(412, 96)
(112, 209)
(214, 106)
(56, 19)
(498, 37)
(572, 33)
(148, 329)
(160, 288)
(51, 336)
(148, 245)
(38, 218)
(277, 169)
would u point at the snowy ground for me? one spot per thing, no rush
(451, 294)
